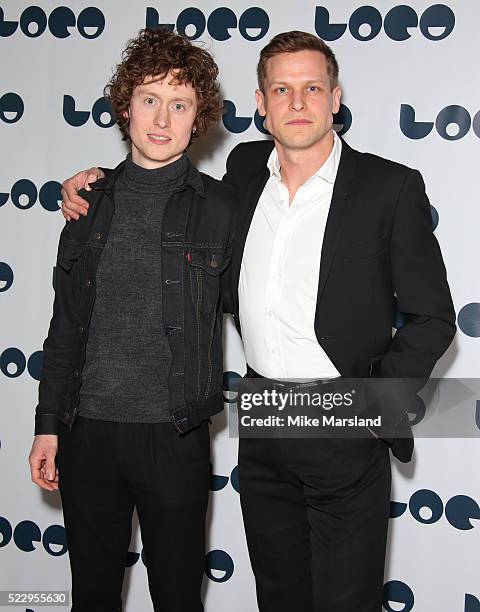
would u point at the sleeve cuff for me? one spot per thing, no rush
(46, 424)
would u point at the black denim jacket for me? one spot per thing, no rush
(197, 233)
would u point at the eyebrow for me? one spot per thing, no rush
(305, 82)
(153, 94)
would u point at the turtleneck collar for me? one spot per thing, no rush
(147, 181)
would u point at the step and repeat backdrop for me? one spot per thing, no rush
(410, 93)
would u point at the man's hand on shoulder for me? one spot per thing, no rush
(42, 462)
(73, 205)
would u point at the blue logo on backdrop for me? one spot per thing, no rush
(219, 482)
(6, 276)
(24, 194)
(11, 107)
(435, 217)
(472, 604)
(13, 363)
(26, 533)
(252, 24)
(365, 23)
(342, 120)
(395, 593)
(427, 508)
(219, 566)
(235, 124)
(102, 113)
(468, 320)
(34, 21)
(452, 123)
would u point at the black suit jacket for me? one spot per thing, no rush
(378, 244)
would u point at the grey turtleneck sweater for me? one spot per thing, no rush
(128, 358)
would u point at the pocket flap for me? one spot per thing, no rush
(213, 262)
(69, 251)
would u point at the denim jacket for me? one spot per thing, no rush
(197, 233)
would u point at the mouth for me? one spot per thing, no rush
(159, 139)
(299, 122)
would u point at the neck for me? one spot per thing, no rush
(298, 165)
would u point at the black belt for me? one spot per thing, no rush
(292, 384)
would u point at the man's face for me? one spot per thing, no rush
(298, 101)
(162, 115)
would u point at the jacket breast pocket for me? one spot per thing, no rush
(365, 251)
(69, 251)
(204, 269)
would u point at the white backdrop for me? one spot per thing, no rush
(412, 94)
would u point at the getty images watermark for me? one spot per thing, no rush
(359, 408)
(285, 400)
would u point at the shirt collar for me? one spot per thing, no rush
(328, 170)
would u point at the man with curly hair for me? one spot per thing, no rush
(132, 363)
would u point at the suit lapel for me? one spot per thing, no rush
(342, 190)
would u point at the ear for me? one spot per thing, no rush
(260, 98)
(126, 114)
(337, 94)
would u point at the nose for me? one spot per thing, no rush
(162, 117)
(297, 102)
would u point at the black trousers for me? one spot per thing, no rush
(316, 517)
(105, 470)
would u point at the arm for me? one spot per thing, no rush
(56, 359)
(420, 281)
(60, 341)
(74, 205)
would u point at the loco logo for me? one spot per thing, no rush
(427, 507)
(452, 123)
(396, 593)
(472, 604)
(13, 363)
(33, 22)
(26, 533)
(102, 113)
(365, 23)
(253, 23)
(236, 125)
(219, 482)
(219, 566)
(11, 107)
(24, 194)
(6, 276)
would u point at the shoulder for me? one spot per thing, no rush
(219, 191)
(250, 154)
(80, 230)
(381, 169)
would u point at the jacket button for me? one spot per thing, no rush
(88, 283)
(98, 236)
(81, 329)
(76, 374)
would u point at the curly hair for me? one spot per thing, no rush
(153, 53)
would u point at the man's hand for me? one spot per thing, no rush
(73, 205)
(42, 462)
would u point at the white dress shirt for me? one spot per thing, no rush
(279, 275)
